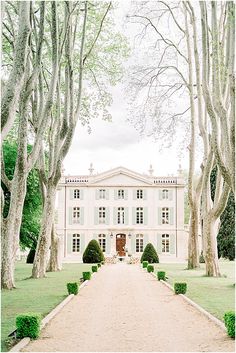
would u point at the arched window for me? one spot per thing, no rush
(139, 243)
(76, 243)
(121, 215)
(102, 241)
(165, 243)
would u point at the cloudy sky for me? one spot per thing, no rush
(117, 143)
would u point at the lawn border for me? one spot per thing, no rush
(26, 340)
(197, 306)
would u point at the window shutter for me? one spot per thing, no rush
(82, 242)
(107, 215)
(95, 215)
(145, 214)
(107, 194)
(170, 195)
(133, 245)
(145, 194)
(81, 215)
(70, 215)
(172, 243)
(134, 215)
(159, 216)
(71, 194)
(108, 244)
(114, 215)
(97, 194)
(145, 240)
(171, 210)
(115, 194)
(69, 244)
(160, 194)
(134, 194)
(126, 194)
(159, 244)
(126, 216)
(81, 194)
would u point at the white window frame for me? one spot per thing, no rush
(139, 194)
(76, 194)
(76, 243)
(165, 243)
(121, 194)
(165, 194)
(76, 215)
(121, 215)
(165, 215)
(139, 243)
(102, 239)
(102, 194)
(102, 215)
(139, 215)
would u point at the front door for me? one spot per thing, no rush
(120, 244)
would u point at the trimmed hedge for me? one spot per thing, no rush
(93, 253)
(145, 264)
(150, 268)
(180, 288)
(161, 275)
(28, 325)
(150, 254)
(229, 319)
(94, 268)
(87, 275)
(73, 288)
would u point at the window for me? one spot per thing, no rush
(76, 194)
(165, 243)
(102, 241)
(165, 215)
(102, 215)
(139, 243)
(121, 215)
(139, 194)
(165, 194)
(102, 194)
(76, 214)
(139, 215)
(121, 194)
(76, 243)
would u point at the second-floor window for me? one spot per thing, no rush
(102, 241)
(139, 215)
(139, 194)
(76, 243)
(102, 215)
(76, 214)
(102, 193)
(165, 243)
(121, 215)
(121, 194)
(165, 194)
(165, 215)
(76, 193)
(139, 243)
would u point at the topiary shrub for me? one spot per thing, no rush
(93, 253)
(28, 325)
(99, 265)
(201, 258)
(87, 275)
(229, 319)
(161, 275)
(73, 288)
(150, 268)
(30, 256)
(103, 262)
(145, 264)
(180, 288)
(94, 268)
(150, 254)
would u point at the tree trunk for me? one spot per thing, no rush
(44, 241)
(193, 251)
(54, 261)
(210, 229)
(7, 265)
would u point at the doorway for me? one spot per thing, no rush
(120, 244)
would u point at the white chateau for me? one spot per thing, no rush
(124, 211)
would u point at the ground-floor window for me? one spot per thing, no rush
(165, 243)
(139, 243)
(76, 243)
(102, 241)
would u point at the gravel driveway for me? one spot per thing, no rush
(124, 309)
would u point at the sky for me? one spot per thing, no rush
(117, 143)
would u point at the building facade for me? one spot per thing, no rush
(124, 211)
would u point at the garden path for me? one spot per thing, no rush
(124, 309)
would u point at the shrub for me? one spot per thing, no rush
(201, 258)
(28, 325)
(150, 254)
(93, 253)
(103, 262)
(161, 275)
(99, 265)
(180, 288)
(73, 288)
(229, 319)
(86, 275)
(150, 268)
(145, 264)
(94, 268)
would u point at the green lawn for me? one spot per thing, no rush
(36, 295)
(215, 295)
